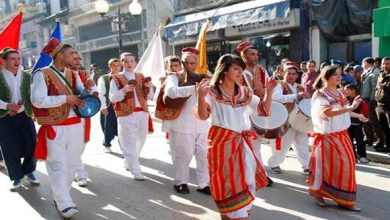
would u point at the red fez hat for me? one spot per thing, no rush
(244, 46)
(190, 50)
(53, 47)
(290, 65)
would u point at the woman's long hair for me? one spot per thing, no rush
(223, 65)
(325, 74)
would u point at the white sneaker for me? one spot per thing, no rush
(69, 212)
(82, 182)
(139, 177)
(363, 160)
(108, 150)
(16, 185)
(125, 165)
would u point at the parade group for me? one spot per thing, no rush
(221, 118)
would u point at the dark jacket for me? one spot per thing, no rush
(382, 95)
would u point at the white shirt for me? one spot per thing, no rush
(233, 118)
(277, 94)
(117, 95)
(326, 125)
(102, 92)
(40, 97)
(186, 122)
(14, 82)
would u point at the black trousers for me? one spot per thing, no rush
(373, 127)
(109, 126)
(17, 141)
(356, 133)
(384, 118)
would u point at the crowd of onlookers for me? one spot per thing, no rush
(370, 80)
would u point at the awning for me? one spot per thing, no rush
(229, 16)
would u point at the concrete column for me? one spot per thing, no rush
(318, 46)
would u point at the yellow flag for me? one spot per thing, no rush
(201, 46)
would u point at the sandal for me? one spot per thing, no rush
(319, 201)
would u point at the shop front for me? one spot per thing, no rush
(271, 26)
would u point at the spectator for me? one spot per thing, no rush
(346, 76)
(367, 92)
(357, 71)
(378, 62)
(310, 76)
(303, 69)
(356, 129)
(382, 96)
(95, 72)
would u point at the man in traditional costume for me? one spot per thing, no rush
(129, 91)
(17, 130)
(54, 94)
(188, 134)
(108, 120)
(81, 174)
(254, 77)
(289, 93)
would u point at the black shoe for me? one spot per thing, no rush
(270, 182)
(205, 190)
(368, 142)
(182, 189)
(383, 150)
(378, 145)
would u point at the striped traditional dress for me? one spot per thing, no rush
(235, 172)
(332, 163)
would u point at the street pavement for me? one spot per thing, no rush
(113, 194)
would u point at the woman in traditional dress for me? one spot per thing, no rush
(332, 163)
(235, 172)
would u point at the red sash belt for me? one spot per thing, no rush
(150, 122)
(49, 132)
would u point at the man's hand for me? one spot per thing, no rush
(13, 107)
(104, 111)
(303, 95)
(74, 101)
(128, 88)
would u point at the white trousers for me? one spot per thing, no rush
(132, 131)
(81, 173)
(301, 143)
(63, 158)
(250, 177)
(183, 148)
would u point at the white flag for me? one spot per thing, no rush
(152, 61)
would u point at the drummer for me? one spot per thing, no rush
(61, 135)
(289, 92)
(80, 74)
(254, 77)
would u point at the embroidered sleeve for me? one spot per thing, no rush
(321, 102)
(116, 95)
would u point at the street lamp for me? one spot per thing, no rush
(135, 9)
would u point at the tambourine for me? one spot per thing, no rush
(91, 106)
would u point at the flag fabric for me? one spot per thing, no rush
(152, 61)
(44, 59)
(202, 66)
(9, 36)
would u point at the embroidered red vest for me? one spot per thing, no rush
(127, 105)
(287, 91)
(55, 87)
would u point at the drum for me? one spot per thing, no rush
(273, 126)
(90, 108)
(300, 118)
